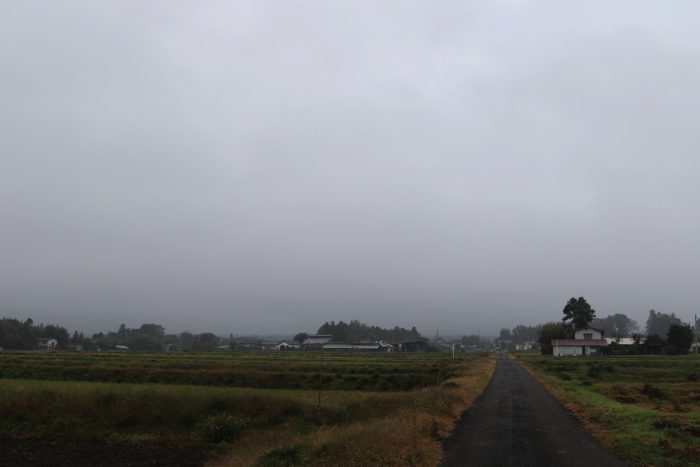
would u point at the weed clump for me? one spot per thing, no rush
(287, 456)
(653, 392)
(222, 427)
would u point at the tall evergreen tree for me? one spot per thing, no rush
(578, 312)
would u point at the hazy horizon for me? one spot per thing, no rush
(263, 167)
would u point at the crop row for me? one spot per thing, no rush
(346, 373)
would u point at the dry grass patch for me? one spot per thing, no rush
(388, 429)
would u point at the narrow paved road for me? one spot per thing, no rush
(516, 422)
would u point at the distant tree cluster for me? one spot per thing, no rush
(521, 334)
(551, 331)
(17, 335)
(660, 323)
(152, 336)
(355, 331)
(472, 340)
(617, 325)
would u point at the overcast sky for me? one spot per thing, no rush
(265, 166)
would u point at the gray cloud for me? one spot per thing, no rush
(266, 166)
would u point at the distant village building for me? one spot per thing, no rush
(284, 345)
(411, 346)
(379, 346)
(526, 346)
(587, 341)
(47, 343)
(251, 343)
(623, 340)
(316, 342)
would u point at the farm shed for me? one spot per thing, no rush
(316, 342)
(379, 346)
(411, 346)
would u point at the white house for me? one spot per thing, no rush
(47, 343)
(525, 346)
(284, 345)
(586, 341)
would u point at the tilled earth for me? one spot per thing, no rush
(26, 452)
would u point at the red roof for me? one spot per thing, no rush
(579, 342)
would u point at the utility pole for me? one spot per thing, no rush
(320, 381)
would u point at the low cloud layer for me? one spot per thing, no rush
(264, 166)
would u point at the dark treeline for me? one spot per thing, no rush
(355, 331)
(153, 337)
(617, 325)
(15, 334)
(18, 335)
(660, 323)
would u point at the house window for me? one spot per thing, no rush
(588, 335)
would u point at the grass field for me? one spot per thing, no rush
(645, 409)
(243, 408)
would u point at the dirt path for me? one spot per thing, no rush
(516, 422)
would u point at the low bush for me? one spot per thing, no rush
(286, 456)
(222, 427)
(653, 392)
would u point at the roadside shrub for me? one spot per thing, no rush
(433, 430)
(222, 427)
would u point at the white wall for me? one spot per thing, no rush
(574, 350)
(596, 334)
(564, 350)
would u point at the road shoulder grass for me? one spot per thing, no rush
(643, 409)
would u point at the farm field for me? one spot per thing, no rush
(234, 408)
(271, 370)
(645, 409)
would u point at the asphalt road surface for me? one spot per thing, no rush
(516, 422)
